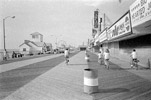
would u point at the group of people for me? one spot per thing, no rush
(104, 57)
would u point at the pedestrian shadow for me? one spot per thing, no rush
(116, 67)
(77, 64)
(113, 90)
(109, 90)
(98, 95)
(119, 68)
(143, 68)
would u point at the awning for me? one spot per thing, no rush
(131, 36)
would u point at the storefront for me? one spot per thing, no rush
(119, 31)
(140, 12)
(132, 31)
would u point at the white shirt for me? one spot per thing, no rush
(106, 55)
(99, 55)
(134, 55)
(66, 53)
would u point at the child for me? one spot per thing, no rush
(66, 55)
(106, 58)
(134, 58)
(87, 56)
(100, 58)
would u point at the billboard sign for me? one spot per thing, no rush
(120, 28)
(140, 12)
(102, 36)
(96, 19)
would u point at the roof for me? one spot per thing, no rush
(36, 33)
(26, 42)
(39, 44)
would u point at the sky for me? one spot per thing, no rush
(56, 20)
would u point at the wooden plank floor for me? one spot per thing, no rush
(66, 83)
(119, 84)
(63, 82)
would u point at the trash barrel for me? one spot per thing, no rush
(90, 81)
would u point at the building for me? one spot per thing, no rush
(35, 45)
(131, 31)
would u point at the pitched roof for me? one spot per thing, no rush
(26, 42)
(38, 44)
(36, 33)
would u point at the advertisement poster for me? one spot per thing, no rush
(120, 28)
(140, 12)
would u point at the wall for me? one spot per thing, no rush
(123, 49)
(27, 49)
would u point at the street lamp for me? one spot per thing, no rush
(5, 51)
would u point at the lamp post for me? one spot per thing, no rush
(5, 51)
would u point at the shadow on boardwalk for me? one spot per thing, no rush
(119, 82)
(113, 90)
(113, 66)
(76, 64)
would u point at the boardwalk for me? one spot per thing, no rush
(66, 82)
(121, 82)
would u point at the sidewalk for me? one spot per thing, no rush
(14, 65)
(121, 82)
(142, 71)
(65, 82)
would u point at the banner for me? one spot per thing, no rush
(103, 36)
(120, 28)
(96, 19)
(140, 12)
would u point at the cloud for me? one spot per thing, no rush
(96, 3)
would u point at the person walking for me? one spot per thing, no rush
(134, 59)
(106, 58)
(66, 55)
(100, 57)
(87, 56)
